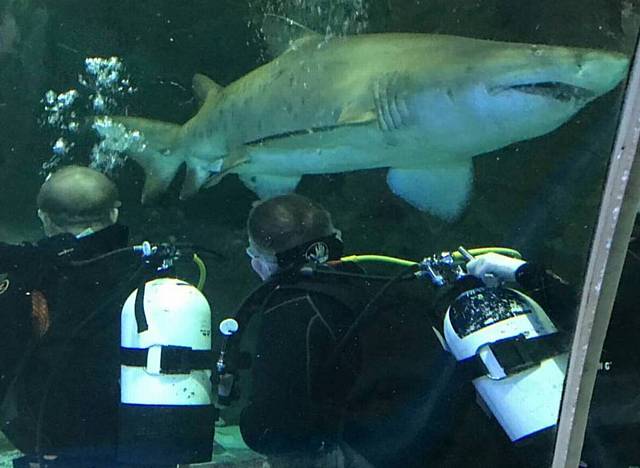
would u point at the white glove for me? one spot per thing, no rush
(493, 268)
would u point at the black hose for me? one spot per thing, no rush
(201, 249)
(82, 263)
(347, 274)
(198, 248)
(366, 313)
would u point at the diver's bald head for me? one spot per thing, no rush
(75, 198)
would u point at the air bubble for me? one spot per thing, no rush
(102, 87)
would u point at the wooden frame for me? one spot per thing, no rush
(617, 213)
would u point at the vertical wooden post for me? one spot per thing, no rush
(617, 213)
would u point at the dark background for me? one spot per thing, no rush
(539, 196)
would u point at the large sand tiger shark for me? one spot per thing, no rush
(421, 105)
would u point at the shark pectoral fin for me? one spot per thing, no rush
(269, 186)
(198, 174)
(159, 171)
(353, 114)
(442, 190)
(227, 165)
(203, 86)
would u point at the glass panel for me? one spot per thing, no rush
(614, 426)
(488, 124)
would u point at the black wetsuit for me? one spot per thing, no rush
(374, 399)
(397, 397)
(63, 394)
(296, 404)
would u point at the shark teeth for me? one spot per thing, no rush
(554, 90)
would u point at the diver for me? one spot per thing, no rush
(60, 325)
(95, 335)
(296, 406)
(337, 383)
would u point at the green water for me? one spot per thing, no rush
(539, 196)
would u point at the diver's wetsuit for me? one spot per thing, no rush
(375, 399)
(64, 395)
(296, 405)
(399, 399)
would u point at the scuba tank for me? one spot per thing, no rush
(506, 344)
(166, 412)
(517, 353)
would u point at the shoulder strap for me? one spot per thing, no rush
(348, 294)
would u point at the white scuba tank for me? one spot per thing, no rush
(166, 412)
(523, 402)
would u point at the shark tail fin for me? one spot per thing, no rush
(157, 152)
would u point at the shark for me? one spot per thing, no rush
(421, 105)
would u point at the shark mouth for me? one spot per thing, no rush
(554, 90)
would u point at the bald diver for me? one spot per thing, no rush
(60, 367)
(77, 311)
(60, 393)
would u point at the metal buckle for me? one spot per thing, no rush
(175, 360)
(506, 357)
(154, 359)
(168, 359)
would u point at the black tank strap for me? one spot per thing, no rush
(517, 354)
(173, 359)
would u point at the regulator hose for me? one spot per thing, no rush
(202, 271)
(457, 256)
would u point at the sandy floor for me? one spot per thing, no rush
(229, 450)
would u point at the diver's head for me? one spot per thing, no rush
(76, 199)
(290, 230)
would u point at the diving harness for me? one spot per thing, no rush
(167, 412)
(504, 341)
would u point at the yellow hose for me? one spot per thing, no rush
(457, 256)
(377, 258)
(483, 250)
(202, 270)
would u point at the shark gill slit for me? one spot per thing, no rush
(384, 98)
(395, 112)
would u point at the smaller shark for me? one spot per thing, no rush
(421, 105)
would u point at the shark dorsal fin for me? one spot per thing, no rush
(282, 33)
(203, 86)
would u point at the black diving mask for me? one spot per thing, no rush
(320, 250)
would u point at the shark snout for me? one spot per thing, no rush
(564, 74)
(599, 71)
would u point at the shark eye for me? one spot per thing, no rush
(537, 51)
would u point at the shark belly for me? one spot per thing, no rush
(433, 181)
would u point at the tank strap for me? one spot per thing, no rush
(504, 358)
(167, 359)
(351, 297)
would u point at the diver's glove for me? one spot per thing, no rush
(493, 268)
